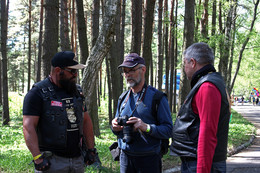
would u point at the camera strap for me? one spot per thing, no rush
(140, 99)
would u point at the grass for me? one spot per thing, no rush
(15, 157)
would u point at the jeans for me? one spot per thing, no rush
(191, 167)
(65, 165)
(140, 164)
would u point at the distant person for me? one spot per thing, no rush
(55, 119)
(242, 100)
(138, 129)
(200, 132)
(257, 100)
(254, 102)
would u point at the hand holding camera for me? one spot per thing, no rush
(129, 125)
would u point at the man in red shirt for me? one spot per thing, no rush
(200, 132)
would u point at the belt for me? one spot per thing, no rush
(188, 159)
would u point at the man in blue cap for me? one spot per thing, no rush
(139, 124)
(56, 121)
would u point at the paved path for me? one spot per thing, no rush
(247, 160)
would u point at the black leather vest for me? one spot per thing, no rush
(187, 124)
(52, 126)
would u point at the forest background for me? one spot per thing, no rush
(101, 32)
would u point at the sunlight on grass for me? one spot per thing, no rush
(240, 131)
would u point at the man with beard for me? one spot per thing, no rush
(55, 119)
(139, 126)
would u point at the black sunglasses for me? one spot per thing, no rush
(72, 71)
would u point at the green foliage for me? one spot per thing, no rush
(240, 130)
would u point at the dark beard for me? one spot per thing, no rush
(68, 85)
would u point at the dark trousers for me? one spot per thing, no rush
(191, 167)
(140, 164)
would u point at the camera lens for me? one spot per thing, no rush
(127, 131)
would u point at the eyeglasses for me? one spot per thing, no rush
(72, 71)
(130, 72)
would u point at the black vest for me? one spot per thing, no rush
(52, 126)
(187, 124)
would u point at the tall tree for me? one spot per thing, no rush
(232, 50)
(82, 32)
(160, 46)
(29, 45)
(100, 49)
(136, 26)
(122, 30)
(39, 60)
(93, 107)
(214, 19)
(188, 39)
(171, 54)
(225, 46)
(166, 44)
(147, 35)
(115, 50)
(4, 87)
(64, 26)
(175, 56)
(204, 20)
(110, 113)
(197, 20)
(51, 28)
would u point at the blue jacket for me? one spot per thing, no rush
(161, 126)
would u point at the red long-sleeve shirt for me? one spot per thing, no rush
(207, 103)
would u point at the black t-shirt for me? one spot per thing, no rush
(33, 106)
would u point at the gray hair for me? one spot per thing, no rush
(201, 52)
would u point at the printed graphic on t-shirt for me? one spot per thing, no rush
(72, 119)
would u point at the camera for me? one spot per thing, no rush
(127, 128)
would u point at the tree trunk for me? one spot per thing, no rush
(100, 49)
(160, 47)
(50, 42)
(39, 60)
(204, 20)
(188, 39)
(171, 55)
(224, 59)
(4, 24)
(93, 106)
(176, 57)
(136, 26)
(166, 45)
(72, 25)
(148, 32)
(95, 21)
(117, 85)
(110, 114)
(82, 32)
(29, 46)
(122, 31)
(198, 14)
(214, 18)
(233, 29)
(64, 26)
